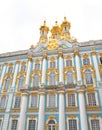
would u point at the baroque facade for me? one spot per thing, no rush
(56, 85)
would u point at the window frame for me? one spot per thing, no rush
(75, 118)
(30, 98)
(56, 104)
(76, 103)
(4, 103)
(34, 118)
(15, 100)
(10, 124)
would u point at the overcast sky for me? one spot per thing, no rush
(20, 20)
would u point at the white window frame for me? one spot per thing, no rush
(76, 103)
(11, 122)
(30, 101)
(100, 120)
(55, 100)
(15, 100)
(5, 101)
(55, 79)
(52, 61)
(68, 118)
(28, 122)
(96, 96)
(1, 123)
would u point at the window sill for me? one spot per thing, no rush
(16, 110)
(93, 108)
(32, 109)
(71, 108)
(55, 109)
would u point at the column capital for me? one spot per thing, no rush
(93, 53)
(76, 53)
(5, 64)
(60, 54)
(44, 56)
(17, 62)
(61, 92)
(24, 94)
(29, 59)
(41, 93)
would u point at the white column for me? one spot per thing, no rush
(15, 74)
(60, 68)
(61, 111)
(77, 61)
(3, 73)
(82, 108)
(28, 71)
(41, 111)
(21, 123)
(43, 81)
(96, 66)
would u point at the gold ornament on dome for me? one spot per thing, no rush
(52, 44)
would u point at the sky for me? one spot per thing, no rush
(20, 20)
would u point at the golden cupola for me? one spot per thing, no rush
(43, 33)
(56, 31)
(65, 27)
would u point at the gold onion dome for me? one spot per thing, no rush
(65, 23)
(56, 29)
(44, 27)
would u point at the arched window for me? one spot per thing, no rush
(36, 80)
(69, 77)
(52, 78)
(88, 76)
(7, 83)
(21, 81)
(51, 125)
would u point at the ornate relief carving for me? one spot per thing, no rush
(69, 108)
(52, 44)
(68, 57)
(100, 69)
(37, 61)
(85, 55)
(72, 116)
(52, 70)
(93, 108)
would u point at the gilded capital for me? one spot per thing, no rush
(29, 59)
(5, 64)
(17, 62)
(76, 53)
(93, 53)
(60, 54)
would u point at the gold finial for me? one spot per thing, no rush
(32, 46)
(56, 22)
(65, 19)
(44, 22)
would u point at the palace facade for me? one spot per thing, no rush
(55, 85)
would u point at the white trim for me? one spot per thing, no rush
(14, 98)
(76, 103)
(1, 123)
(30, 101)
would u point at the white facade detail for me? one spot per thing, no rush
(60, 70)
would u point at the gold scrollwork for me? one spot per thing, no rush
(93, 108)
(72, 116)
(35, 72)
(100, 69)
(19, 74)
(85, 55)
(71, 108)
(52, 70)
(68, 57)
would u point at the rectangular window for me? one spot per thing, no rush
(95, 125)
(86, 61)
(37, 66)
(14, 124)
(34, 100)
(17, 102)
(0, 123)
(32, 125)
(101, 60)
(72, 124)
(71, 99)
(52, 65)
(91, 99)
(2, 102)
(10, 69)
(68, 62)
(52, 100)
(23, 68)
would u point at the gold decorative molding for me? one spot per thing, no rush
(68, 57)
(33, 110)
(100, 69)
(51, 117)
(90, 90)
(1, 116)
(51, 92)
(93, 108)
(60, 54)
(32, 117)
(5, 64)
(71, 108)
(71, 91)
(23, 63)
(100, 54)
(93, 53)
(2, 110)
(11, 64)
(18, 94)
(52, 44)
(76, 53)
(24, 94)
(52, 58)
(37, 61)
(17, 110)
(72, 116)
(94, 116)
(35, 72)
(34, 93)
(52, 109)
(29, 59)
(14, 116)
(17, 62)
(85, 55)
